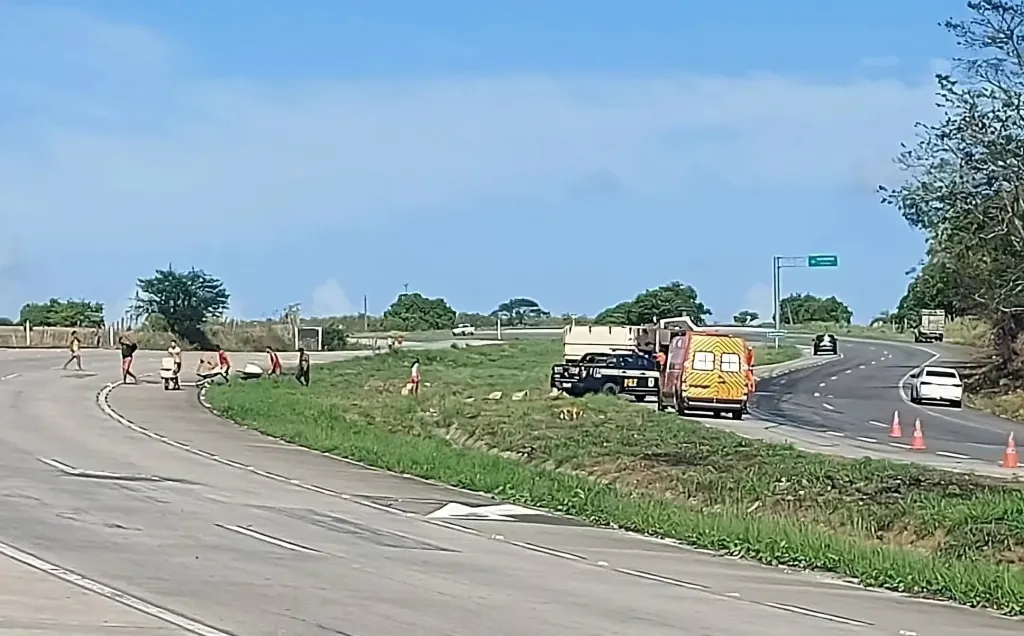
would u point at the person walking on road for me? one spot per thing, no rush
(128, 349)
(275, 362)
(75, 347)
(302, 371)
(224, 362)
(414, 376)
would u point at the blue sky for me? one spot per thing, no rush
(576, 152)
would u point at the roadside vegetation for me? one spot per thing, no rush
(614, 463)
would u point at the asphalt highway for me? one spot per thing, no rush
(856, 396)
(170, 520)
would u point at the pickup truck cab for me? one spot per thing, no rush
(632, 374)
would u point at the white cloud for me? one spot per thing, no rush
(329, 299)
(759, 298)
(344, 151)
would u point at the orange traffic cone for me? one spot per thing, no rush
(1010, 455)
(896, 430)
(917, 439)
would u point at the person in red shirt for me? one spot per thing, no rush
(275, 362)
(224, 362)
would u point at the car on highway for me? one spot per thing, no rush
(463, 330)
(825, 343)
(936, 384)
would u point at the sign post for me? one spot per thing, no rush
(778, 263)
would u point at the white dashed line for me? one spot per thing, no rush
(867, 439)
(835, 377)
(848, 371)
(110, 593)
(816, 394)
(823, 384)
(873, 362)
(835, 433)
(872, 348)
(828, 406)
(822, 615)
(878, 424)
(266, 538)
(899, 445)
(885, 353)
(861, 366)
(953, 455)
(662, 579)
(542, 549)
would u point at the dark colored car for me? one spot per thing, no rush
(825, 344)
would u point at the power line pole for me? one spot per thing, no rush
(366, 315)
(407, 288)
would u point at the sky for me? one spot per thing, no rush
(576, 152)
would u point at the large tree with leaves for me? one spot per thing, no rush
(416, 312)
(185, 301)
(965, 175)
(668, 301)
(798, 309)
(519, 311)
(63, 313)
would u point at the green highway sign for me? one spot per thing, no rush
(776, 334)
(822, 260)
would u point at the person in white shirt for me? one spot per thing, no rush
(414, 376)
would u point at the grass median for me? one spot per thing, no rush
(897, 526)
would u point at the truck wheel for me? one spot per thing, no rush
(737, 415)
(640, 398)
(610, 389)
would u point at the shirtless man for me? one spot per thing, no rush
(75, 347)
(302, 371)
(128, 348)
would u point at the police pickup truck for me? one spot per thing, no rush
(632, 374)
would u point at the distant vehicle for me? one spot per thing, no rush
(937, 384)
(932, 326)
(825, 343)
(708, 372)
(633, 374)
(464, 330)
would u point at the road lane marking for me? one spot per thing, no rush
(835, 433)
(885, 353)
(953, 455)
(10, 376)
(266, 538)
(806, 612)
(868, 440)
(878, 423)
(828, 406)
(662, 579)
(861, 367)
(835, 377)
(61, 466)
(542, 549)
(823, 384)
(872, 362)
(133, 602)
(899, 445)
(816, 394)
(872, 348)
(848, 371)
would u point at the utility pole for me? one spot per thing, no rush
(366, 316)
(779, 262)
(407, 288)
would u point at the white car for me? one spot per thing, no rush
(464, 330)
(937, 384)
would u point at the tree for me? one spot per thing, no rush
(668, 301)
(6, 322)
(184, 300)
(415, 312)
(964, 186)
(746, 317)
(518, 311)
(63, 313)
(798, 309)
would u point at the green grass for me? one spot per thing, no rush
(765, 355)
(962, 331)
(898, 526)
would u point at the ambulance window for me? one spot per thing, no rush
(730, 363)
(703, 361)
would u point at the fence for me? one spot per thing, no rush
(49, 337)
